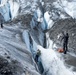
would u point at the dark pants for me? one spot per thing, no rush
(1, 25)
(36, 58)
(65, 48)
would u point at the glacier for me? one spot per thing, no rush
(24, 43)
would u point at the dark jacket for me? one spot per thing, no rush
(37, 55)
(65, 38)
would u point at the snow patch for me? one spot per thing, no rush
(52, 63)
(48, 19)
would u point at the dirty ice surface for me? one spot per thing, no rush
(12, 47)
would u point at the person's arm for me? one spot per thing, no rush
(62, 38)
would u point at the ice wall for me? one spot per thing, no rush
(14, 6)
(9, 9)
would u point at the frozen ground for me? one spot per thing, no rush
(14, 56)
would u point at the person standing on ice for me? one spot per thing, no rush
(1, 25)
(65, 41)
(37, 55)
(1, 20)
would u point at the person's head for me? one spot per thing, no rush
(38, 52)
(67, 33)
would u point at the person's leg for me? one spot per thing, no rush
(64, 48)
(1, 25)
(36, 58)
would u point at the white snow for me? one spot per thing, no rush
(52, 63)
(48, 20)
(39, 14)
(48, 45)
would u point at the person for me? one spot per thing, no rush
(1, 25)
(65, 42)
(1, 20)
(37, 55)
